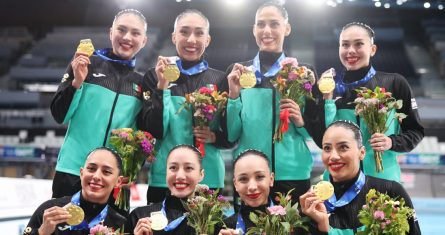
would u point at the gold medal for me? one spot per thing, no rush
(247, 79)
(76, 213)
(323, 190)
(86, 46)
(327, 84)
(171, 72)
(158, 220)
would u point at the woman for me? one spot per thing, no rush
(100, 174)
(254, 113)
(355, 52)
(341, 154)
(191, 38)
(98, 94)
(253, 181)
(184, 172)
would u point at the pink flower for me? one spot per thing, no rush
(99, 229)
(289, 60)
(292, 75)
(379, 215)
(307, 86)
(276, 210)
(383, 225)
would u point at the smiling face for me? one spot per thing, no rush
(341, 153)
(270, 29)
(191, 36)
(356, 48)
(183, 172)
(99, 176)
(127, 35)
(252, 180)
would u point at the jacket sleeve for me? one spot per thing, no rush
(314, 114)
(150, 118)
(61, 101)
(221, 132)
(412, 132)
(37, 219)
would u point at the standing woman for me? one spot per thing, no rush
(253, 114)
(98, 94)
(253, 180)
(100, 174)
(184, 172)
(355, 52)
(342, 151)
(191, 38)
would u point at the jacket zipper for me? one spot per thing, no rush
(112, 110)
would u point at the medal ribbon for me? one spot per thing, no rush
(341, 87)
(175, 223)
(103, 53)
(198, 68)
(349, 195)
(84, 225)
(273, 70)
(240, 225)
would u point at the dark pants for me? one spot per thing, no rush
(283, 186)
(157, 194)
(65, 184)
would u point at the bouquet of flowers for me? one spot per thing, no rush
(100, 229)
(280, 219)
(373, 107)
(206, 103)
(205, 209)
(383, 215)
(293, 82)
(134, 147)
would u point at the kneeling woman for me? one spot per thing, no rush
(342, 151)
(253, 181)
(184, 172)
(100, 174)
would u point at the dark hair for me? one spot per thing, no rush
(133, 12)
(278, 6)
(116, 156)
(251, 152)
(190, 147)
(366, 27)
(350, 126)
(191, 11)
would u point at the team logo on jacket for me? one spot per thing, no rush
(65, 77)
(146, 95)
(137, 90)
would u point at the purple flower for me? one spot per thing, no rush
(276, 210)
(221, 198)
(307, 86)
(379, 215)
(146, 146)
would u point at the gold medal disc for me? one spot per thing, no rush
(247, 80)
(76, 213)
(86, 46)
(324, 190)
(171, 72)
(158, 221)
(326, 85)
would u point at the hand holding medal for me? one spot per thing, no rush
(77, 214)
(85, 47)
(327, 84)
(158, 220)
(323, 190)
(247, 78)
(171, 71)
